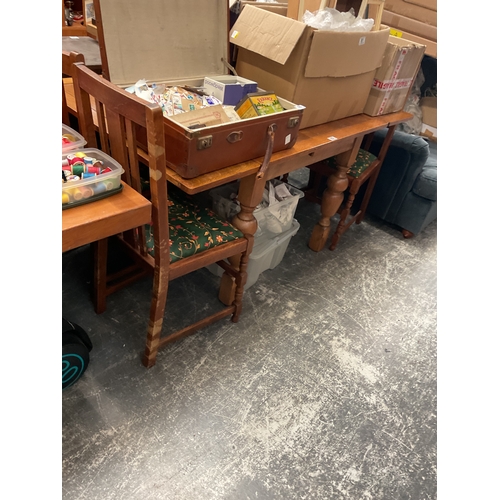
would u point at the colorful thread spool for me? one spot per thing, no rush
(93, 169)
(69, 137)
(65, 198)
(99, 188)
(77, 194)
(77, 168)
(87, 192)
(71, 158)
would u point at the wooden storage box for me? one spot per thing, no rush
(180, 43)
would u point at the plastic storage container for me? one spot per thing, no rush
(104, 177)
(272, 220)
(267, 253)
(71, 139)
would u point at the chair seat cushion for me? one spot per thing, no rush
(192, 229)
(363, 161)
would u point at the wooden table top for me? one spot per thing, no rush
(102, 218)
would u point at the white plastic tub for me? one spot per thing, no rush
(267, 253)
(272, 220)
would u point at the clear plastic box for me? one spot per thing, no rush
(99, 185)
(266, 254)
(71, 139)
(272, 220)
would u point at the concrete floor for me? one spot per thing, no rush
(325, 388)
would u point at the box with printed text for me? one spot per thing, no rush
(394, 78)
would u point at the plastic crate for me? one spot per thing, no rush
(71, 139)
(272, 220)
(97, 186)
(267, 253)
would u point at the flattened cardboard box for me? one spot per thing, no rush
(328, 72)
(414, 9)
(394, 78)
(428, 105)
(276, 7)
(409, 25)
(310, 5)
(180, 43)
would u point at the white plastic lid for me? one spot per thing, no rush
(76, 140)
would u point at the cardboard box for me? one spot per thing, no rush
(430, 46)
(428, 4)
(228, 88)
(180, 43)
(394, 78)
(428, 105)
(412, 10)
(328, 72)
(406, 24)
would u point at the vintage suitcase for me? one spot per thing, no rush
(179, 43)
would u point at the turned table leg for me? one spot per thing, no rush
(333, 196)
(249, 195)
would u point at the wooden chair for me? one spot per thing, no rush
(68, 59)
(365, 168)
(182, 237)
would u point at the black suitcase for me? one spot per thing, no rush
(76, 346)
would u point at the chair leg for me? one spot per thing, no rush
(156, 314)
(407, 234)
(366, 197)
(341, 226)
(100, 250)
(240, 287)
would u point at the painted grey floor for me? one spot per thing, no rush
(325, 388)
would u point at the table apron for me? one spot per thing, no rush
(296, 161)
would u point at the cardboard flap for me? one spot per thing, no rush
(161, 40)
(357, 53)
(266, 33)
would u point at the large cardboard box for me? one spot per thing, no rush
(328, 72)
(180, 43)
(394, 78)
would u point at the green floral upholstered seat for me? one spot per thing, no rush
(192, 229)
(363, 161)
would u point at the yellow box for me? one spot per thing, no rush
(258, 104)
